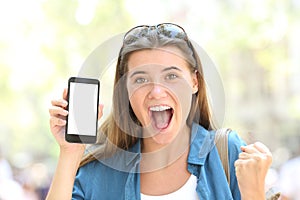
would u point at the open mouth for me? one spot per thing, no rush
(161, 116)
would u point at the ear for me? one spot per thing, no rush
(195, 81)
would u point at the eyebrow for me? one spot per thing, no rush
(170, 68)
(137, 72)
(165, 69)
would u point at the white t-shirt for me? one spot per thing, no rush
(187, 191)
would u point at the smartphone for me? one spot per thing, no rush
(82, 120)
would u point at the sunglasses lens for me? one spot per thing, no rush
(168, 30)
(171, 31)
(135, 33)
(141, 31)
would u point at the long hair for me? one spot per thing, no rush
(121, 129)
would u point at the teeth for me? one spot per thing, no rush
(159, 108)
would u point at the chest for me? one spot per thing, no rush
(163, 183)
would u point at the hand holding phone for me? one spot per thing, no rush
(82, 120)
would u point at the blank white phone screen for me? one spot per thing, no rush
(82, 116)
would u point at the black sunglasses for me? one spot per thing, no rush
(169, 30)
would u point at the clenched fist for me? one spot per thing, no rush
(251, 169)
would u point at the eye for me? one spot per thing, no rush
(140, 80)
(171, 76)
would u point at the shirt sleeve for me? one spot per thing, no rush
(234, 149)
(77, 193)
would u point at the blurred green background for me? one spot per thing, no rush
(255, 45)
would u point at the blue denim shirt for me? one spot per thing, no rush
(118, 178)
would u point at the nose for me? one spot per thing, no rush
(157, 91)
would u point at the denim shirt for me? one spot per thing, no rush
(118, 177)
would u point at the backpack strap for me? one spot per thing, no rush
(221, 141)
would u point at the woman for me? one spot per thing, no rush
(160, 122)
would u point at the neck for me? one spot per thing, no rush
(156, 156)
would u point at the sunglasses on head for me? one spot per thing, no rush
(169, 30)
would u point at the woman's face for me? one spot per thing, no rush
(160, 87)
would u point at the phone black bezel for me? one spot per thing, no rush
(84, 139)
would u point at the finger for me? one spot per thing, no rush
(265, 152)
(239, 163)
(55, 121)
(261, 147)
(100, 108)
(59, 102)
(249, 149)
(65, 94)
(55, 111)
(244, 156)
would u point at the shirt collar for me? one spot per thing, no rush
(134, 153)
(202, 142)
